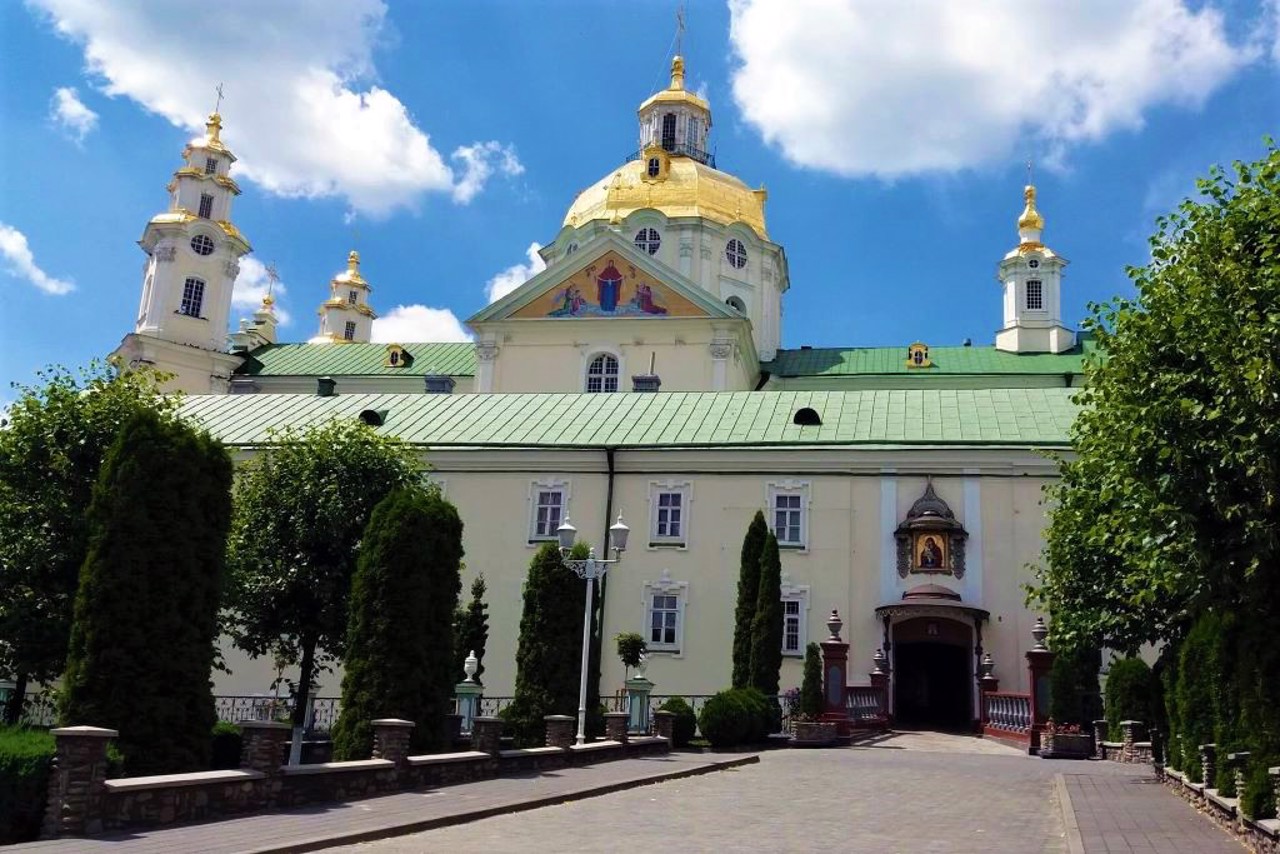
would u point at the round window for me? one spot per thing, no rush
(202, 245)
(648, 240)
(736, 253)
(1033, 263)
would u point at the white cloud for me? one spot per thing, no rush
(406, 324)
(69, 112)
(479, 162)
(301, 111)
(21, 263)
(515, 276)
(252, 283)
(892, 89)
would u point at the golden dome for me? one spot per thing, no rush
(690, 188)
(1031, 217)
(676, 93)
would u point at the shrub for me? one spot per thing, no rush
(1197, 678)
(685, 723)
(1073, 685)
(1258, 800)
(759, 711)
(724, 721)
(227, 743)
(811, 700)
(1129, 691)
(26, 756)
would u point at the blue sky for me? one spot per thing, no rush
(443, 139)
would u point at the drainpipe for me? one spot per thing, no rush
(604, 580)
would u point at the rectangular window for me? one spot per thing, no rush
(548, 512)
(192, 297)
(206, 206)
(669, 131)
(792, 627)
(210, 166)
(349, 331)
(788, 511)
(1035, 295)
(664, 621)
(352, 297)
(669, 524)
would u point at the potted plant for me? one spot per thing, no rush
(631, 650)
(1065, 741)
(807, 728)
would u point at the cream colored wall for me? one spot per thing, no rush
(849, 564)
(552, 355)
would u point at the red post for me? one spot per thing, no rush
(1039, 661)
(835, 660)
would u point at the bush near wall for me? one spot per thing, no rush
(26, 756)
(1129, 693)
(736, 716)
(685, 723)
(227, 743)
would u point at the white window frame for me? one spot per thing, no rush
(205, 211)
(658, 488)
(604, 376)
(192, 302)
(790, 487)
(549, 485)
(349, 331)
(665, 586)
(798, 593)
(1039, 292)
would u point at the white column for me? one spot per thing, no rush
(973, 547)
(888, 545)
(486, 355)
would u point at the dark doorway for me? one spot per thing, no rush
(932, 686)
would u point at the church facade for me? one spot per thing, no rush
(642, 374)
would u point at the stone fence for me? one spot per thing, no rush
(83, 802)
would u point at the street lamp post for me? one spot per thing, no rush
(589, 569)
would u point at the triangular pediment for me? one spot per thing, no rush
(607, 278)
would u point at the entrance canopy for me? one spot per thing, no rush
(932, 600)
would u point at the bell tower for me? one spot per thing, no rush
(193, 256)
(346, 316)
(1031, 276)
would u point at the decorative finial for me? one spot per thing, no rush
(1030, 218)
(272, 277)
(217, 105)
(677, 72)
(679, 27)
(353, 261)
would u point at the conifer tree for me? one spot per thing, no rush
(399, 661)
(748, 592)
(548, 657)
(146, 612)
(471, 630)
(766, 628)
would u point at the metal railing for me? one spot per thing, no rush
(1009, 712)
(265, 707)
(685, 150)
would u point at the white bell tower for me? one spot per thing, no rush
(346, 316)
(1031, 276)
(193, 257)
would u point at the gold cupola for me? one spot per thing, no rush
(346, 315)
(1030, 223)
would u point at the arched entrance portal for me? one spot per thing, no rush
(933, 674)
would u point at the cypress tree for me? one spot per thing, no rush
(549, 653)
(471, 630)
(146, 611)
(748, 592)
(400, 641)
(766, 628)
(812, 701)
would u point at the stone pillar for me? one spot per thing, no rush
(76, 782)
(1209, 763)
(486, 734)
(835, 660)
(1239, 765)
(638, 690)
(1039, 662)
(560, 731)
(1274, 774)
(262, 746)
(468, 695)
(1100, 731)
(615, 726)
(665, 724)
(1132, 732)
(391, 739)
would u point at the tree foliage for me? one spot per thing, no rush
(400, 661)
(748, 591)
(548, 654)
(766, 627)
(1168, 504)
(471, 630)
(811, 699)
(146, 612)
(301, 507)
(52, 443)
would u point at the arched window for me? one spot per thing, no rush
(602, 374)
(736, 253)
(648, 240)
(736, 304)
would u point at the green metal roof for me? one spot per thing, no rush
(859, 361)
(334, 360)
(999, 416)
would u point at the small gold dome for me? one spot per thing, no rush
(1031, 217)
(689, 189)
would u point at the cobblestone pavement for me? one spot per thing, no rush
(910, 792)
